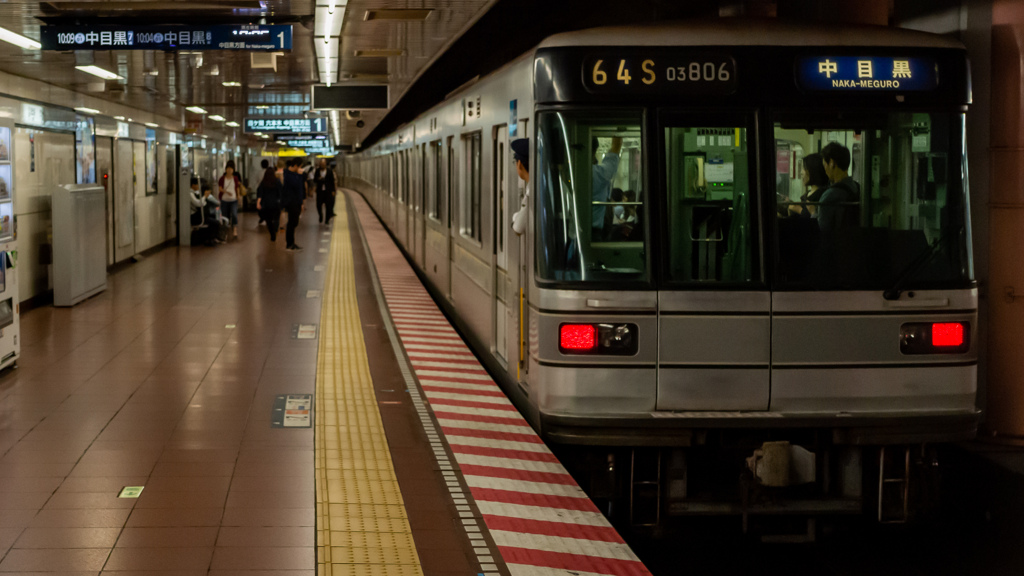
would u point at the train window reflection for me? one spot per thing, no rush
(706, 174)
(590, 203)
(891, 214)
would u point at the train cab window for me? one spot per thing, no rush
(708, 201)
(888, 211)
(591, 217)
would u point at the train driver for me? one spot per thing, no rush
(601, 183)
(521, 156)
(835, 212)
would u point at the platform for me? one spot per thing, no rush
(188, 377)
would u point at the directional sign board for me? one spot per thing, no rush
(129, 37)
(285, 137)
(295, 125)
(305, 143)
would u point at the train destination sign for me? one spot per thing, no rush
(294, 125)
(632, 72)
(867, 73)
(212, 37)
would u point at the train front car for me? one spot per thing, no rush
(753, 281)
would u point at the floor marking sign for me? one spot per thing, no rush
(292, 411)
(130, 492)
(305, 331)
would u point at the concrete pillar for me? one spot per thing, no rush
(1006, 209)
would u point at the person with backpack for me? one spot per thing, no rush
(269, 197)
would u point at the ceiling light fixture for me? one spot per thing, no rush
(231, 84)
(19, 40)
(217, 117)
(196, 109)
(152, 124)
(232, 124)
(262, 107)
(85, 110)
(97, 71)
(118, 117)
(378, 53)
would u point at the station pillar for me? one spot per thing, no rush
(1005, 406)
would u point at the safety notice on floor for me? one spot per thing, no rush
(292, 411)
(305, 331)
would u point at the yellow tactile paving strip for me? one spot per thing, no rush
(362, 526)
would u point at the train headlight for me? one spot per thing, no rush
(614, 339)
(935, 338)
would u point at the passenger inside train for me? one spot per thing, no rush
(892, 213)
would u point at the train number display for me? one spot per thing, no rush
(677, 74)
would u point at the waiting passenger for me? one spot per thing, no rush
(269, 201)
(815, 181)
(835, 211)
(602, 175)
(197, 202)
(231, 190)
(521, 156)
(216, 229)
(294, 202)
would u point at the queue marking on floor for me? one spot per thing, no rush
(362, 525)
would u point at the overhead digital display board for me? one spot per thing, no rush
(293, 125)
(867, 73)
(350, 97)
(306, 143)
(284, 137)
(213, 37)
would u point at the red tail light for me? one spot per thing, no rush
(577, 337)
(948, 334)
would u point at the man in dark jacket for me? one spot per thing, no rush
(325, 189)
(838, 210)
(294, 194)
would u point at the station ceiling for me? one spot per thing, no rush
(391, 42)
(382, 41)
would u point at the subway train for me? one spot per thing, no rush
(694, 320)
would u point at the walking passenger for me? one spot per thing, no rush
(325, 191)
(231, 189)
(268, 201)
(294, 196)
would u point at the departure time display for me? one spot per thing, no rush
(697, 73)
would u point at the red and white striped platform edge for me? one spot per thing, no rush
(541, 520)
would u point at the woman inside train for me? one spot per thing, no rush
(815, 181)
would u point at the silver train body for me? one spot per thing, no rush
(724, 362)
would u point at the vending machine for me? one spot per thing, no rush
(10, 327)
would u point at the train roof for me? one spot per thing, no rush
(749, 32)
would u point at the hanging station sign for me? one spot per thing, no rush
(214, 37)
(286, 137)
(306, 143)
(293, 125)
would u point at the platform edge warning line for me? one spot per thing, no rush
(349, 429)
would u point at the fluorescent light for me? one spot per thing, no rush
(118, 117)
(19, 40)
(231, 84)
(196, 109)
(85, 110)
(264, 136)
(257, 133)
(217, 117)
(97, 71)
(152, 124)
(262, 107)
(232, 124)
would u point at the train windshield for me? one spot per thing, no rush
(591, 220)
(870, 201)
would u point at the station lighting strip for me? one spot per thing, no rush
(330, 15)
(19, 40)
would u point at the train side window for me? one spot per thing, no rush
(591, 205)
(708, 201)
(888, 212)
(436, 181)
(469, 200)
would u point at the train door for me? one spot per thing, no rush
(421, 208)
(501, 226)
(104, 175)
(520, 267)
(714, 319)
(124, 200)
